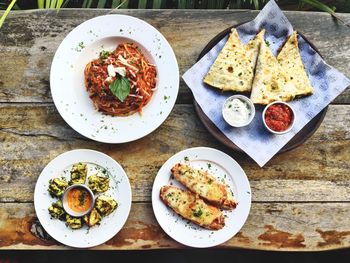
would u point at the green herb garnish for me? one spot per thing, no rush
(198, 212)
(81, 45)
(104, 54)
(267, 43)
(120, 88)
(82, 198)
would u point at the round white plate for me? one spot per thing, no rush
(84, 44)
(120, 190)
(226, 170)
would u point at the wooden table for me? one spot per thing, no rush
(301, 199)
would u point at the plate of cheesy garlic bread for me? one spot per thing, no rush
(201, 197)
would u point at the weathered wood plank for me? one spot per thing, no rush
(29, 39)
(283, 227)
(32, 135)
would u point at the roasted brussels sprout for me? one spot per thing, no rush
(98, 183)
(57, 187)
(78, 174)
(56, 210)
(74, 222)
(105, 205)
(93, 218)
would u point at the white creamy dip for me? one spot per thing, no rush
(236, 112)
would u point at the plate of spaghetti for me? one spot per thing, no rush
(114, 79)
(126, 64)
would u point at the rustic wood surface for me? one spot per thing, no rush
(301, 199)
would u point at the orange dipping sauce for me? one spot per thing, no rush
(79, 200)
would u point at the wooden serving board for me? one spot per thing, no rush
(304, 134)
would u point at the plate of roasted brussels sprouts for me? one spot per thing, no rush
(82, 198)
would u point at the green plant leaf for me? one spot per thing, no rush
(256, 4)
(142, 4)
(53, 3)
(181, 4)
(124, 4)
(189, 4)
(157, 4)
(59, 5)
(115, 3)
(323, 7)
(87, 3)
(240, 3)
(101, 3)
(320, 6)
(120, 88)
(7, 11)
(41, 4)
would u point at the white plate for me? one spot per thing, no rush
(225, 169)
(83, 44)
(120, 190)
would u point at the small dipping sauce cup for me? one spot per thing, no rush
(238, 111)
(278, 117)
(78, 200)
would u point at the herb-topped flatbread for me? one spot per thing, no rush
(192, 208)
(204, 185)
(270, 82)
(231, 69)
(252, 49)
(290, 60)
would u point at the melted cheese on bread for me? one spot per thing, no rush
(270, 81)
(205, 185)
(290, 60)
(190, 207)
(231, 69)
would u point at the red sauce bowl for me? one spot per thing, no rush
(278, 117)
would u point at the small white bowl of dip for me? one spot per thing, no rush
(238, 111)
(78, 200)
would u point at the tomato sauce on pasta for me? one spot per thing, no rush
(140, 73)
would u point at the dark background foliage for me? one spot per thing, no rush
(339, 5)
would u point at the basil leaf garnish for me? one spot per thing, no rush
(120, 88)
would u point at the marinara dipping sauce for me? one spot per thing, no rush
(278, 117)
(78, 200)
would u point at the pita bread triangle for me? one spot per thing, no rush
(270, 81)
(232, 69)
(252, 48)
(290, 60)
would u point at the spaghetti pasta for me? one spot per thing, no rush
(125, 61)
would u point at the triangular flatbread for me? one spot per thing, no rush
(290, 60)
(270, 81)
(232, 69)
(252, 48)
